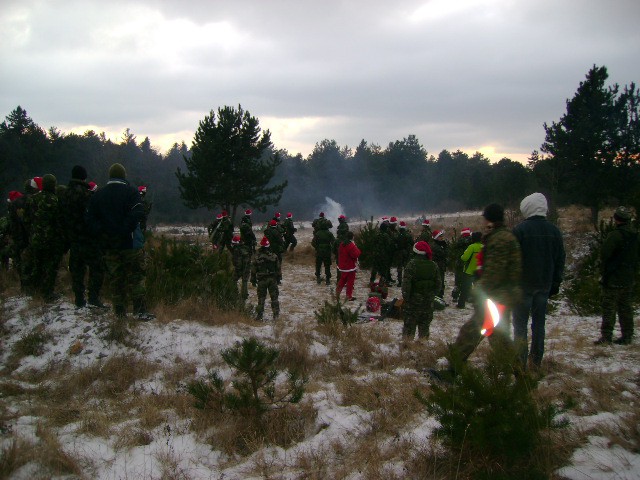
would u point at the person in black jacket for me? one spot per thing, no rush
(543, 258)
(114, 212)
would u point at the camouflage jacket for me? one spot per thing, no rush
(246, 233)
(323, 241)
(421, 278)
(264, 265)
(275, 239)
(73, 206)
(341, 231)
(619, 257)
(43, 220)
(241, 255)
(440, 249)
(501, 268)
(17, 228)
(289, 227)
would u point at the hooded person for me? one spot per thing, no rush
(114, 213)
(543, 259)
(420, 284)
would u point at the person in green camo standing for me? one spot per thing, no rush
(264, 276)
(241, 256)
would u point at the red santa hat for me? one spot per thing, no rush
(289, 215)
(465, 232)
(393, 220)
(342, 217)
(36, 183)
(426, 222)
(224, 213)
(248, 211)
(277, 215)
(264, 242)
(236, 239)
(437, 234)
(93, 186)
(273, 223)
(422, 248)
(142, 189)
(322, 214)
(14, 195)
(219, 216)
(403, 225)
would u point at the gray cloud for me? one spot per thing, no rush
(467, 74)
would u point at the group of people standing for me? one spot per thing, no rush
(101, 228)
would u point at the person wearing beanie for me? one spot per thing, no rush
(500, 282)
(543, 259)
(348, 254)
(618, 269)
(290, 240)
(241, 257)
(114, 214)
(265, 276)
(404, 247)
(273, 233)
(85, 253)
(421, 283)
(46, 240)
(117, 171)
(458, 248)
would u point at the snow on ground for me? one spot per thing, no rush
(569, 339)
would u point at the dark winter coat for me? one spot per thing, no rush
(543, 254)
(114, 213)
(421, 279)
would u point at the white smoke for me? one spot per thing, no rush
(332, 210)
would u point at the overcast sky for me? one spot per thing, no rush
(459, 74)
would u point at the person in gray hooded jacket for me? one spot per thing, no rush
(543, 259)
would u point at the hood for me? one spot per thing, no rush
(534, 205)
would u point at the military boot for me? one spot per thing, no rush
(80, 302)
(94, 302)
(120, 311)
(140, 311)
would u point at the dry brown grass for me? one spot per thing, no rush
(303, 254)
(203, 312)
(294, 350)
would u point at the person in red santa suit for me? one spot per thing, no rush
(348, 254)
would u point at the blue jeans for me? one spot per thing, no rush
(534, 302)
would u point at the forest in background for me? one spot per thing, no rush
(591, 156)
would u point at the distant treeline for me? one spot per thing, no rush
(399, 179)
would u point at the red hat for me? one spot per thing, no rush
(14, 195)
(465, 232)
(403, 225)
(36, 182)
(393, 220)
(93, 186)
(273, 223)
(426, 222)
(248, 211)
(142, 189)
(437, 234)
(385, 219)
(224, 213)
(219, 216)
(322, 214)
(277, 215)
(236, 239)
(289, 215)
(264, 242)
(341, 217)
(422, 248)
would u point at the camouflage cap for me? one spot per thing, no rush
(622, 213)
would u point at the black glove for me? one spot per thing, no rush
(555, 288)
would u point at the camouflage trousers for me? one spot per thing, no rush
(83, 257)
(417, 313)
(268, 284)
(242, 270)
(620, 301)
(469, 336)
(40, 269)
(125, 270)
(323, 259)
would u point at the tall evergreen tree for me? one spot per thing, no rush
(586, 140)
(229, 164)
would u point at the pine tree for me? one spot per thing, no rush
(230, 164)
